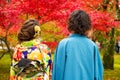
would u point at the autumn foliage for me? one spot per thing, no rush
(13, 13)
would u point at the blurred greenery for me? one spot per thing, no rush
(4, 67)
(108, 74)
(50, 32)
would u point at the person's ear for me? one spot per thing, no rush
(89, 33)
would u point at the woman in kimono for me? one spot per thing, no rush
(31, 59)
(77, 57)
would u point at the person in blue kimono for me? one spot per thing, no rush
(77, 57)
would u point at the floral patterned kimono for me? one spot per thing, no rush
(31, 61)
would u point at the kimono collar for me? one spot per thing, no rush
(76, 35)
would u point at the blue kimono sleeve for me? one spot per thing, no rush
(59, 62)
(99, 70)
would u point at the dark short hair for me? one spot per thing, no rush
(79, 22)
(27, 31)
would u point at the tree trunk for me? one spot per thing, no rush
(108, 57)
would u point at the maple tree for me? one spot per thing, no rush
(45, 11)
(58, 11)
(109, 28)
(9, 22)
